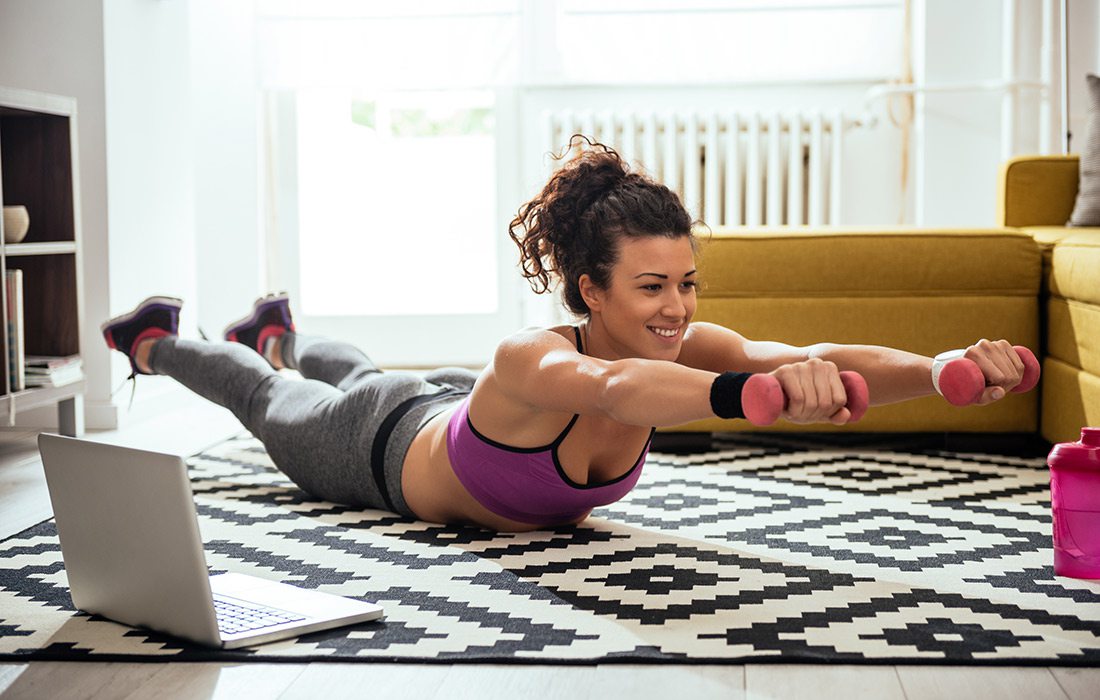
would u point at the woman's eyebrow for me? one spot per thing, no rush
(664, 277)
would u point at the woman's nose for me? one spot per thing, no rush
(674, 307)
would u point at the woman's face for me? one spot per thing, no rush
(650, 299)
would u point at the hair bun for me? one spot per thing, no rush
(574, 225)
(591, 172)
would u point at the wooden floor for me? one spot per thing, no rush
(24, 502)
(478, 682)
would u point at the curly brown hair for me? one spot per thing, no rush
(574, 225)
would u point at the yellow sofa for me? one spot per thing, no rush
(1031, 280)
(1036, 197)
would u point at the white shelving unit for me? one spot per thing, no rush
(38, 169)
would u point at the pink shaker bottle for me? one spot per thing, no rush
(1075, 502)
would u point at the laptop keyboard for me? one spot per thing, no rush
(234, 618)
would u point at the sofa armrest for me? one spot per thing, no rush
(1037, 191)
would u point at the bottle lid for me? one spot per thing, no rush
(1084, 454)
(1090, 437)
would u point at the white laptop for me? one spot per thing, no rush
(132, 550)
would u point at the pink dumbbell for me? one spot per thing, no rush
(762, 398)
(961, 382)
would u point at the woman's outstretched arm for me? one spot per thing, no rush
(892, 375)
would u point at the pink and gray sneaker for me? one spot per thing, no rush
(155, 317)
(270, 318)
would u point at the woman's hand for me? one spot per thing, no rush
(814, 392)
(1000, 364)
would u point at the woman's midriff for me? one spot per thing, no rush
(432, 490)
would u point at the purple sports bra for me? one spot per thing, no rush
(528, 484)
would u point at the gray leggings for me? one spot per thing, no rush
(342, 433)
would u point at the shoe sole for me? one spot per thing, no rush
(166, 301)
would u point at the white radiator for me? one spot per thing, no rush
(777, 169)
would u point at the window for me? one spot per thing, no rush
(396, 194)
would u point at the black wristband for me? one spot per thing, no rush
(725, 394)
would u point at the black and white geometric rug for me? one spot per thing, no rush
(759, 548)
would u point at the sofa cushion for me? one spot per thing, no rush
(927, 325)
(1073, 333)
(1049, 236)
(1071, 368)
(867, 262)
(1086, 210)
(1075, 268)
(1071, 399)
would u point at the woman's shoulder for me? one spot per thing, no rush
(542, 335)
(527, 348)
(701, 332)
(710, 346)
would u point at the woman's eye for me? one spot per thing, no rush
(652, 287)
(689, 285)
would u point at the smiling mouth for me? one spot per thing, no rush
(664, 332)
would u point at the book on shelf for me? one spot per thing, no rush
(48, 370)
(14, 282)
(50, 362)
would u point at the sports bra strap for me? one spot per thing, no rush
(577, 332)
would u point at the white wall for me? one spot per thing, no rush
(167, 137)
(150, 173)
(226, 141)
(56, 46)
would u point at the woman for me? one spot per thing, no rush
(561, 419)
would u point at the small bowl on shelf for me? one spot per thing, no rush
(16, 223)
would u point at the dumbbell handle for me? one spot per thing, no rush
(961, 381)
(763, 400)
